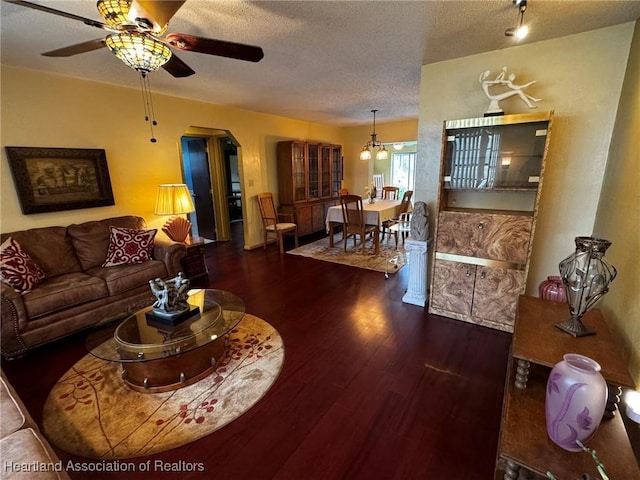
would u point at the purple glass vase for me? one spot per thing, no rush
(575, 401)
(552, 289)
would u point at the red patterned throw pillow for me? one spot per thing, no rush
(128, 246)
(17, 268)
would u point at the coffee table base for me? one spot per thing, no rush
(176, 371)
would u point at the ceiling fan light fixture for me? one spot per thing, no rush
(114, 12)
(140, 52)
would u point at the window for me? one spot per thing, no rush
(403, 171)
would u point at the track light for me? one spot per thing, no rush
(521, 30)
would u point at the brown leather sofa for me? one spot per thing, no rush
(25, 452)
(77, 291)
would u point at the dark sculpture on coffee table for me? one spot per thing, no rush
(171, 299)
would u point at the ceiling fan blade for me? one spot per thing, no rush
(220, 48)
(77, 48)
(86, 21)
(177, 67)
(153, 13)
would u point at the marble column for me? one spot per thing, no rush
(417, 290)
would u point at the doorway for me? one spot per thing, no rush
(212, 171)
(232, 170)
(195, 163)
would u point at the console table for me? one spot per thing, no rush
(536, 347)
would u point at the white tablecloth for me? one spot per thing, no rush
(374, 213)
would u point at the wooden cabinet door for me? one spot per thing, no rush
(484, 235)
(496, 294)
(502, 237)
(453, 286)
(304, 220)
(456, 233)
(318, 217)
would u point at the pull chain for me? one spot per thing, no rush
(147, 101)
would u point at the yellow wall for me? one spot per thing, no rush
(618, 216)
(580, 77)
(42, 110)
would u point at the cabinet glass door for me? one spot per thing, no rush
(314, 171)
(495, 157)
(299, 188)
(336, 170)
(325, 171)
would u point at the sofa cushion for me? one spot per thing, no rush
(91, 239)
(126, 277)
(12, 417)
(63, 291)
(17, 268)
(24, 449)
(49, 247)
(129, 246)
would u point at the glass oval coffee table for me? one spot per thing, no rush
(157, 357)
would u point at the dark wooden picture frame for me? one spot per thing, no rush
(56, 179)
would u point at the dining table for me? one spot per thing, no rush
(374, 214)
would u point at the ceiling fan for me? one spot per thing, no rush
(136, 36)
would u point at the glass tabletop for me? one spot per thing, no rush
(139, 338)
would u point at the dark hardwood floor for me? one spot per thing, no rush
(371, 388)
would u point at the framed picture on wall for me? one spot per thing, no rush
(56, 179)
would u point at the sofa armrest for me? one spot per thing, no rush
(170, 253)
(13, 319)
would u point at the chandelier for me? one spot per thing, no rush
(382, 153)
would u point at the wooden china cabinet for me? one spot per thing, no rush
(309, 180)
(490, 182)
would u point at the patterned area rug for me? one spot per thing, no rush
(90, 412)
(388, 260)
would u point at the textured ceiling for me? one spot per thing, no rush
(325, 61)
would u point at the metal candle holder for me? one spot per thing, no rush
(586, 276)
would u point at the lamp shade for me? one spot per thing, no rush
(114, 12)
(365, 154)
(382, 153)
(173, 199)
(140, 52)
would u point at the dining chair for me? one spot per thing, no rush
(378, 182)
(402, 227)
(403, 208)
(390, 193)
(354, 223)
(271, 223)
